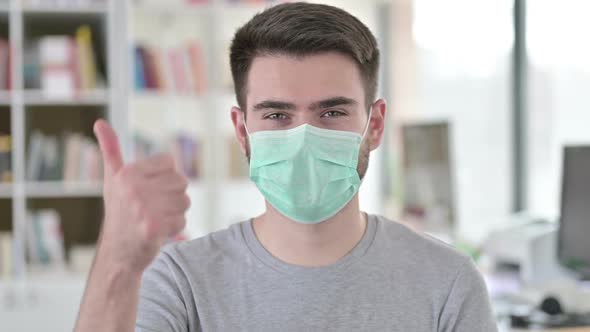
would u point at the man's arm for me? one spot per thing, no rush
(144, 205)
(110, 300)
(468, 305)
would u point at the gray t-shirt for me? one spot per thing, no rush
(393, 280)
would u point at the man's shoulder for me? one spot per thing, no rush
(414, 247)
(226, 242)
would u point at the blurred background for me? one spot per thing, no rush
(484, 97)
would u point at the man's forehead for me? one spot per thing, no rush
(316, 64)
(304, 80)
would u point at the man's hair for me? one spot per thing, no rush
(300, 29)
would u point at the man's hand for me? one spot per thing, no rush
(145, 203)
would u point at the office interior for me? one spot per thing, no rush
(487, 143)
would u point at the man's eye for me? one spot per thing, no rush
(276, 116)
(331, 114)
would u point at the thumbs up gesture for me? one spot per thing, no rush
(144, 203)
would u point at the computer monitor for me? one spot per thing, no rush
(574, 230)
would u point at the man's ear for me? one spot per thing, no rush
(237, 118)
(377, 124)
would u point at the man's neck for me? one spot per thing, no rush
(311, 245)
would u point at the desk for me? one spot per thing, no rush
(568, 329)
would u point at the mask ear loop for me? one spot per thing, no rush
(368, 122)
(245, 126)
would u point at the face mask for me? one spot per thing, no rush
(306, 173)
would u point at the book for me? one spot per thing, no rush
(31, 65)
(90, 160)
(198, 67)
(185, 151)
(86, 58)
(187, 70)
(6, 267)
(150, 69)
(139, 68)
(94, 162)
(5, 57)
(73, 146)
(180, 80)
(35, 155)
(161, 69)
(184, 148)
(71, 157)
(52, 163)
(60, 65)
(5, 158)
(8, 69)
(179, 69)
(44, 238)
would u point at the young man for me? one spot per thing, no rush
(305, 77)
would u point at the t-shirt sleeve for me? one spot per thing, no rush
(161, 304)
(468, 305)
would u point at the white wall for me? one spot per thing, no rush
(559, 115)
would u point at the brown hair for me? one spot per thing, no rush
(300, 29)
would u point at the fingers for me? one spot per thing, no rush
(171, 205)
(135, 177)
(168, 183)
(109, 147)
(160, 198)
(160, 214)
(155, 165)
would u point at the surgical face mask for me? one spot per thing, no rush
(306, 173)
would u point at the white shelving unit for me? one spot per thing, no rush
(31, 299)
(97, 9)
(217, 199)
(99, 97)
(59, 189)
(5, 190)
(21, 101)
(4, 97)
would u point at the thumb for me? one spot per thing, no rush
(109, 147)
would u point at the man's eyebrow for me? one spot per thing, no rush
(274, 104)
(331, 102)
(326, 103)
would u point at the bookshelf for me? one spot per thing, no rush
(4, 98)
(27, 107)
(96, 97)
(5, 192)
(90, 9)
(57, 91)
(220, 191)
(56, 189)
